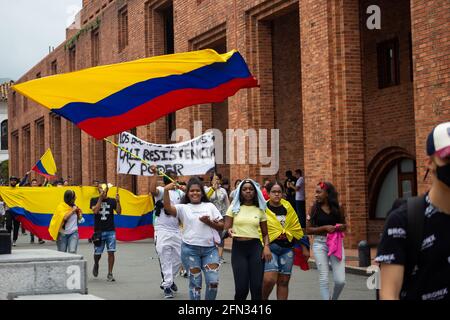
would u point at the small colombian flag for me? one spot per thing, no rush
(46, 165)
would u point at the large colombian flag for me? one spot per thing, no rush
(34, 207)
(46, 165)
(109, 99)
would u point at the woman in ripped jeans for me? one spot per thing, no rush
(201, 225)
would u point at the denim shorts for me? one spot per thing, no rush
(282, 260)
(108, 238)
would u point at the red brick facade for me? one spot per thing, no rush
(316, 62)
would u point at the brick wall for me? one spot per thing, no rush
(431, 45)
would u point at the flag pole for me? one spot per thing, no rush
(139, 158)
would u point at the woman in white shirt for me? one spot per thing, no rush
(202, 223)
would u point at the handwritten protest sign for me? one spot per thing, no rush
(193, 157)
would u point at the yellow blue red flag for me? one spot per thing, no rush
(107, 100)
(35, 206)
(46, 165)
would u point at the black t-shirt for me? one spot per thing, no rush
(430, 279)
(281, 213)
(321, 218)
(104, 220)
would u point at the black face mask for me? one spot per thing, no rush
(443, 174)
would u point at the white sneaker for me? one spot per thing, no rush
(14, 244)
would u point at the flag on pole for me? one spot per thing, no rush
(46, 165)
(107, 100)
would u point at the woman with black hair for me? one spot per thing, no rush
(244, 220)
(325, 219)
(64, 224)
(202, 223)
(284, 230)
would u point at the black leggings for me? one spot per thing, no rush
(12, 225)
(248, 268)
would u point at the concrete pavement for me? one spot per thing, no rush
(138, 276)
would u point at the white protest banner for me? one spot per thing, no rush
(193, 157)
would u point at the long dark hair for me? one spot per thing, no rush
(194, 181)
(333, 202)
(255, 197)
(69, 197)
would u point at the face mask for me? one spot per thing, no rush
(443, 174)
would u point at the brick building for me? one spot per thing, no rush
(353, 105)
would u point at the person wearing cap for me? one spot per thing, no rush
(11, 223)
(429, 277)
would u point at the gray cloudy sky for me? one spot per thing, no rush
(28, 28)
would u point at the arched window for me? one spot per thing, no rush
(398, 181)
(4, 135)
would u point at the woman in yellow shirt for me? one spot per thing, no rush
(245, 219)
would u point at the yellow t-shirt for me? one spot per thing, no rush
(246, 221)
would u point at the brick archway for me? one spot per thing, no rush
(378, 168)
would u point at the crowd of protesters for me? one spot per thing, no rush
(265, 222)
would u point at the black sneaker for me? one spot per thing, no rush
(95, 270)
(168, 294)
(110, 278)
(174, 287)
(41, 241)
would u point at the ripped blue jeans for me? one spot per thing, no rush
(201, 258)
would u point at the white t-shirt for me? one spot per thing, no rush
(71, 225)
(195, 232)
(165, 221)
(300, 195)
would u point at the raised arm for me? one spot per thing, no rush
(98, 205)
(24, 179)
(168, 207)
(153, 179)
(118, 206)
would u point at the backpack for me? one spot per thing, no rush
(414, 233)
